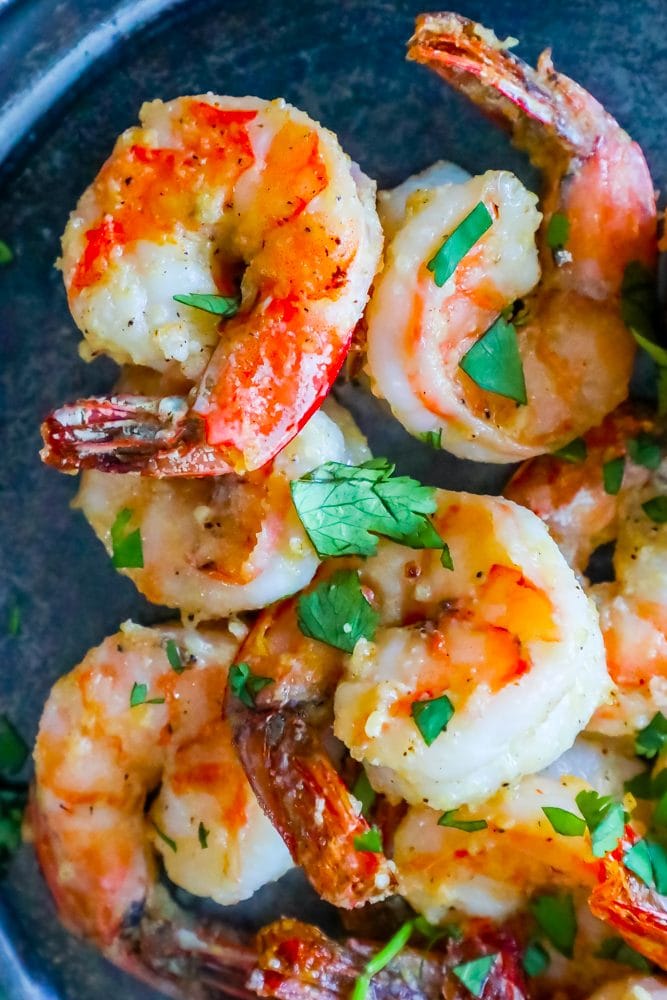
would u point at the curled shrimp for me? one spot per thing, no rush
(633, 988)
(575, 350)
(583, 514)
(142, 714)
(206, 193)
(216, 546)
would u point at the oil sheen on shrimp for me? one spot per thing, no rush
(582, 515)
(222, 545)
(575, 350)
(121, 725)
(208, 195)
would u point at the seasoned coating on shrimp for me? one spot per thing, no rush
(206, 194)
(633, 988)
(597, 187)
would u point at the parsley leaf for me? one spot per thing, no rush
(163, 836)
(364, 792)
(336, 612)
(639, 303)
(381, 959)
(558, 231)
(650, 740)
(13, 800)
(6, 253)
(370, 841)
(605, 820)
(535, 959)
(612, 475)
(555, 916)
(203, 833)
(432, 438)
(126, 547)
(452, 251)
(641, 786)
(139, 696)
(446, 560)
(474, 974)
(246, 685)
(13, 748)
(645, 450)
(616, 950)
(467, 825)
(219, 305)
(566, 823)
(648, 860)
(432, 716)
(14, 619)
(345, 507)
(574, 451)
(494, 362)
(656, 509)
(434, 933)
(174, 656)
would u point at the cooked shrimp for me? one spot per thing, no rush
(581, 515)
(507, 636)
(575, 351)
(633, 988)
(222, 545)
(124, 723)
(205, 194)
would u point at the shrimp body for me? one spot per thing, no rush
(105, 742)
(633, 988)
(582, 515)
(210, 195)
(216, 546)
(507, 636)
(595, 178)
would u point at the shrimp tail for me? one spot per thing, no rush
(292, 775)
(156, 437)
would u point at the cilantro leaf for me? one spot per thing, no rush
(174, 656)
(381, 959)
(645, 450)
(13, 800)
(558, 231)
(639, 307)
(370, 841)
(616, 950)
(219, 305)
(434, 933)
(467, 825)
(641, 786)
(336, 612)
(446, 560)
(432, 716)
(163, 836)
(246, 685)
(574, 451)
(432, 438)
(364, 792)
(139, 696)
(535, 959)
(494, 362)
(13, 748)
(556, 917)
(648, 860)
(459, 242)
(650, 740)
(474, 974)
(203, 833)
(566, 823)
(345, 507)
(612, 475)
(126, 547)
(656, 509)
(605, 820)
(6, 253)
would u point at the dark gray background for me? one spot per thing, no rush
(72, 76)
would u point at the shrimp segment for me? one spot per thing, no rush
(597, 179)
(113, 729)
(633, 988)
(216, 546)
(209, 192)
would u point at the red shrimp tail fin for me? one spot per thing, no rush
(156, 437)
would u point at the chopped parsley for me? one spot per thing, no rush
(219, 305)
(433, 933)
(612, 475)
(574, 451)
(446, 557)
(203, 833)
(641, 786)
(246, 685)
(126, 548)
(648, 860)
(432, 716)
(645, 450)
(163, 836)
(381, 959)
(364, 792)
(14, 619)
(494, 362)
(639, 304)
(370, 842)
(467, 825)
(558, 231)
(13, 748)
(6, 253)
(432, 438)
(459, 242)
(336, 612)
(139, 696)
(656, 509)
(564, 822)
(555, 916)
(13, 794)
(535, 959)
(174, 656)
(650, 740)
(605, 820)
(474, 974)
(344, 508)
(616, 950)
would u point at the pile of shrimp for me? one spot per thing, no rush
(454, 730)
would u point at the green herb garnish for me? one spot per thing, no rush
(246, 685)
(174, 656)
(433, 933)
(648, 860)
(13, 748)
(14, 620)
(558, 231)
(641, 786)
(467, 825)
(203, 833)
(494, 362)
(364, 792)
(605, 820)
(344, 508)
(474, 974)
(163, 836)
(432, 438)
(616, 950)
(6, 253)
(383, 957)
(650, 740)
(612, 475)
(656, 509)
(555, 916)
(452, 251)
(566, 823)
(535, 959)
(446, 557)
(126, 548)
(139, 696)
(336, 612)
(219, 305)
(370, 841)
(432, 716)
(574, 451)
(639, 303)
(645, 450)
